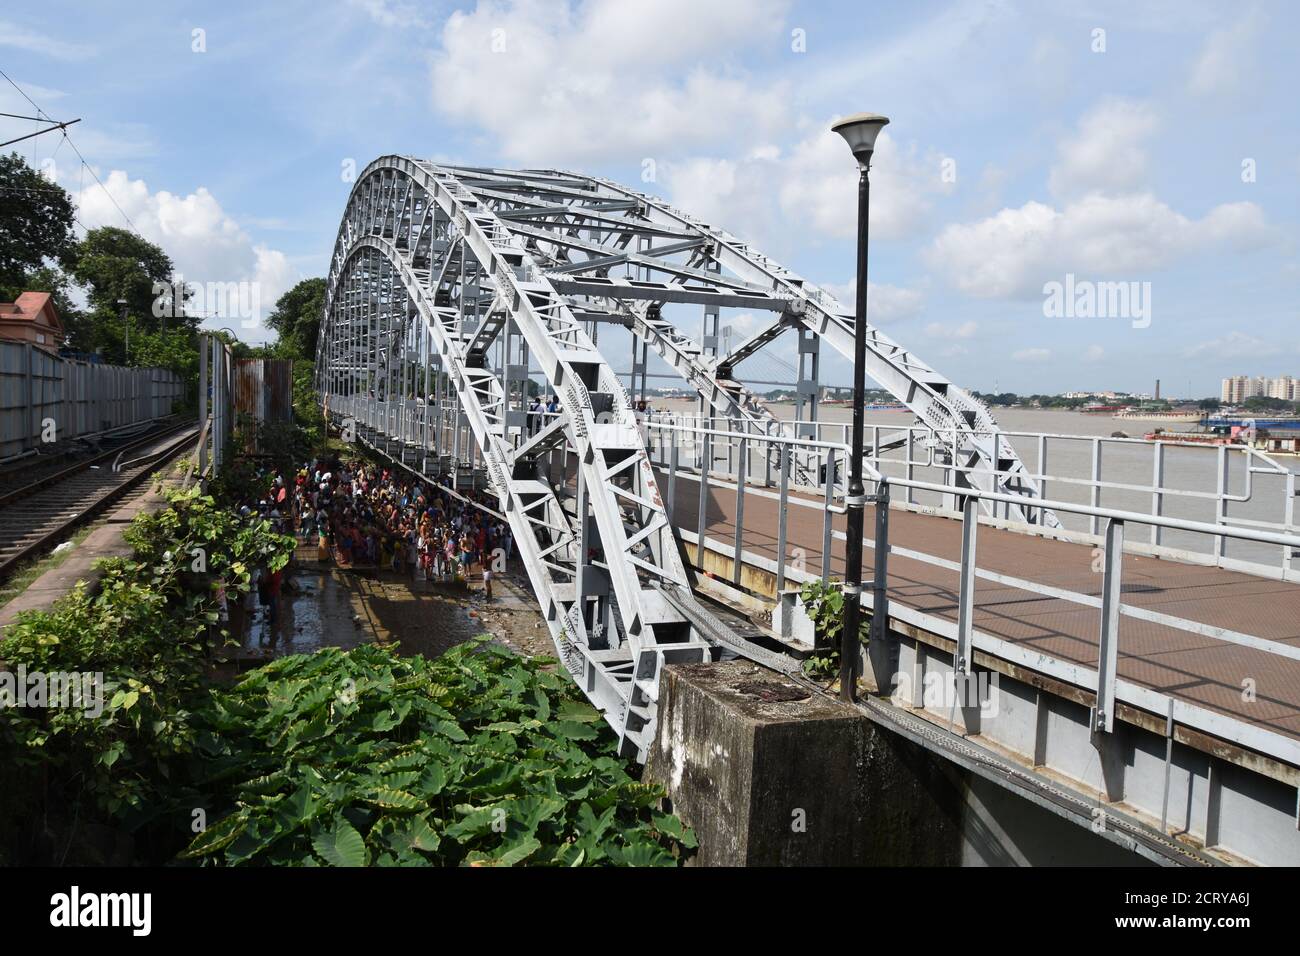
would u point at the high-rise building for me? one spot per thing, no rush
(1238, 388)
(1282, 387)
(1235, 390)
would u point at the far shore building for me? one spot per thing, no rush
(1282, 387)
(32, 318)
(1238, 388)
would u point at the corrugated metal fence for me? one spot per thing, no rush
(263, 393)
(248, 393)
(43, 395)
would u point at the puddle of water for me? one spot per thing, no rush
(315, 611)
(322, 606)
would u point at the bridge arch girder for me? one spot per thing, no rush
(555, 207)
(617, 512)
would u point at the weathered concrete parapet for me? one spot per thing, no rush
(769, 774)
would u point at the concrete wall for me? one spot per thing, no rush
(1000, 828)
(769, 774)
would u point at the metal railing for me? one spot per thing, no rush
(1239, 486)
(727, 470)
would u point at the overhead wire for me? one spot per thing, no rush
(42, 115)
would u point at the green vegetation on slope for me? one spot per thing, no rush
(478, 757)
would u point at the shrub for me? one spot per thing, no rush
(480, 757)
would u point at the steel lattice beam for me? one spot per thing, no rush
(725, 272)
(393, 280)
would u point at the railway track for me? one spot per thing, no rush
(39, 515)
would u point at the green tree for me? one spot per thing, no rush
(171, 348)
(296, 319)
(52, 279)
(36, 218)
(115, 264)
(1262, 403)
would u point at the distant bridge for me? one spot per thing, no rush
(1120, 678)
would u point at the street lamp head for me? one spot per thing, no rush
(860, 131)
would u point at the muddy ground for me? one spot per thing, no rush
(325, 606)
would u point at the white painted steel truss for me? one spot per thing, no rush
(583, 229)
(450, 287)
(425, 274)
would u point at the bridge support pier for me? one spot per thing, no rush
(768, 774)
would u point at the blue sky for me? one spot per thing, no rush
(1025, 146)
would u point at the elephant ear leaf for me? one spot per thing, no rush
(519, 852)
(341, 845)
(217, 837)
(511, 856)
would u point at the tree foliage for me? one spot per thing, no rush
(341, 758)
(1262, 403)
(296, 319)
(113, 264)
(148, 630)
(36, 220)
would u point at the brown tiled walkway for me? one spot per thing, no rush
(1199, 669)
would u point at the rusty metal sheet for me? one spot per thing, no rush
(262, 392)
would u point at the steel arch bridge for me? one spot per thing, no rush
(451, 287)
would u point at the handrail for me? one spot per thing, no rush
(1163, 521)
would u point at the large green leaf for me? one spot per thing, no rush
(341, 845)
(508, 767)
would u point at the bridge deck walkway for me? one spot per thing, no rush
(1197, 668)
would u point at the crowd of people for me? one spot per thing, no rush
(368, 517)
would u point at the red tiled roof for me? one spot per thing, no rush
(29, 307)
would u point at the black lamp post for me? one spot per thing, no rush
(860, 132)
(126, 332)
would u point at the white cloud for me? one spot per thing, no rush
(15, 102)
(820, 184)
(115, 142)
(204, 243)
(959, 36)
(890, 303)
(885, 303)
(391, 13)
(566, 84)
(1233, 345)
(943, 330)
(273, 274)
(742, 326)
(1031, 355)
(732, 194)
(1108, 150)
(1094, 353)
(1050, 61)
(1011, 254)
(814, 184)
(23, 39)
(1226, 62)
